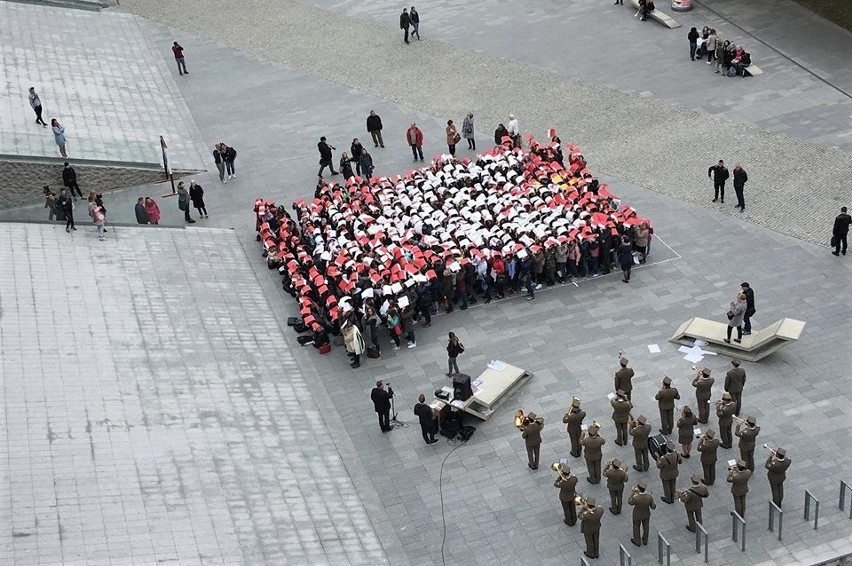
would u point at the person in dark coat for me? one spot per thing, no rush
(69, 179)
(141, 213)
(196, 195)
(366, 162)
(740, 178)
(625, 259)
(840, 231)
(346, 166)
(750, 310)
(66, 204)
(499, 134)
(356, 149)
(719, 174)
(374, 126)
(405, 22)
(382, 404)
(428, 422)
(326, 158)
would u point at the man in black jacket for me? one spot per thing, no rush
(428, 423)
(326, 159)
(719, 174)
(750, 310)
(740, 178)
(69, 179)
(66, 204)
(840, 231)
(374, 126)
(382, 403)
(405, 22)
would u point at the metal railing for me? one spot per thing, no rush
(624, 558)
(736, 521)
(699, 532)
(775, 511)
(844, 487)
(662, 544)
(808, 498)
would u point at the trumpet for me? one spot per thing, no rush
(630, 419)
(771, 450)
(680, 493)
(740, 420)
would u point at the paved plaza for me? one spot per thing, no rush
(219, 384)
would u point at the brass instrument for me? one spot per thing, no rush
(741, 421)
(597, 424)
(579, 499)
(771, 450)
(519, 419)
(557, 468)
(630, 420)
(680, 493)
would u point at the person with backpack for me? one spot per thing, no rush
(229, 157)
(454, 348)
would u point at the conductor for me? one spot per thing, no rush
(382, 403)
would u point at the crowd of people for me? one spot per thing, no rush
(731, 60)
(385, 252)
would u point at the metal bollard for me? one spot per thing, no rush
(844, 487)
(773, 511)
(698, 534)
(624, 558)
(663, 543)
(808, 497)
(735, 518)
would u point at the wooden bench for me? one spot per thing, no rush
(664, 19)
(753, 348)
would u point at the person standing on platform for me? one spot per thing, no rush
(405, 22)
(467, 131)
(666, 397)
(624, 376)
(735, 381)
(592, 443)
(414, 137)
(219, 160)
(703, 385)
(740, 178)
(141, 213)
(454, 348)
(668, 465)
(620, 415)
(736, 312)
(708, 445)
(35, 103)
(567, 485)
(750, 310)
(725, 410)
(66, 205)
(177, 49)
(642, 503)
(738, 477)
(616, 477)
(532, 439)
(692, 499)
(382, 404)
(374, 126)
(640, 430)
(428, 422)
(840, 231)
(776, 466)
(574, 419)
(686, 430)
(69, 179)
(590, 525)
(747, 434)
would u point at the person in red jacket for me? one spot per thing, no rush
(414, 137)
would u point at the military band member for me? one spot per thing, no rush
(668, 465)
(567, 485)
(692, 499)
(615, 480)
(590, 525)
(738, 477)
(532, 439)
(592, 443)
(624, 378)
(725, 411)
(748, 434)
(686, 430)
(776, 466)
(708, 445)
(703, 385)
(666, 397)
(734, 383)
(620, 410)
(640, 430)
(574, 418)
(642, 503)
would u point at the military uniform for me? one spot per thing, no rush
(590, 526)
(708, 445)
(615, 480)
(574, 418)
(666, 397)
(532, 440)
(620, 415)
(703, 385)
(776, 467)
(734, 382)
(738, 478)
(668, 466)
(624, 379)
(642, 503)
(640, 430)
(592, 444)
(725, 412)
(692, 500)
(567, 492)
(748, 435)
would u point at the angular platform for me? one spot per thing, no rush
(753, 348)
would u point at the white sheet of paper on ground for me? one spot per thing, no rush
(697, 431)
(458, 403)
(653, 348)
(684, 349)
(694, 357)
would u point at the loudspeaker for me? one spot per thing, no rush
(461, 387)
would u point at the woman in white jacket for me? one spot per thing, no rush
(353, 340)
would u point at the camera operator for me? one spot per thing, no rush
(382, 403)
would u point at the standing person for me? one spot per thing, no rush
(35, 103)
(326, 158)
(196, 195)
(141, 213)
(357, 149)
(692, 36)
(668, 465)
(218, 158)
(183, 202)
(69, 179)
(592, 443)
(567, 485)
(839, 232)
(736, 312)
(710, 46)
(692, 500)
(500, 133)
(514, 130)
(640, 430)
(624, 378)
(738, 477)
(50, 203)
(98, 216)
(453, 137)
(685, 430)
(352, 339)
(666, 397)
(735, 381)
(642, 503)
(228, 157)
(467, 131)
(414, 16)
(625, 259)
(394, 324)
(574, 419)
(719, 173)
(345, 166)
(620, 410)
(374, 126)
(776, 466)
(428, 421)
(640, 243)
(708, 445)
(747, 433)
(59, 137)
(750, 310)
(725, 410)
(532, 439)
(454, 348)
(179, 59)
(381, 403)
(153, 210)
(414, 137)
(590, 525)
(615, 480)
(703, 385)
(405, 22)
(366, 163)
(66, 205)
(740, 178)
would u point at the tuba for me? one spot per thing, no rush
(520, 420)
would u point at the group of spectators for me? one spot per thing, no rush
(387, 252)
(731, 60)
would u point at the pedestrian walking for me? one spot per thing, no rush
(153, 210)
(381, 403)
(229, 157)
(840, 231)
(183, 202)
(454, 348)
(625, 259)
(692, 36)
(196, 195)
(428, 420)
(467, 131)
(414, 16)
(326, 158)
(69, 179)
(414, 137)
(98, 215)
(141, 213)
(179, 59)
(750, 310)
(35, 103)
(219, 159)
(719, 174)
(374, 126)
(740, 178)
(50, 203)
(59, 137)
(405, 22)
(66, 205)
(366, 163)
(453, 137)
(736, 312)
